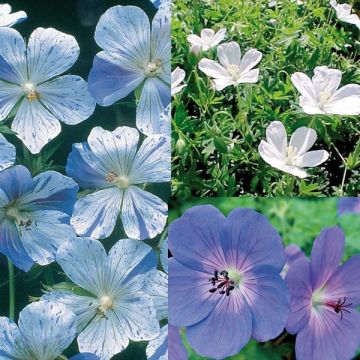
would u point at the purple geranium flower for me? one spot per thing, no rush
(349, 205)
(225, 284)
(177, 349)
(292, 254)
(324, 297)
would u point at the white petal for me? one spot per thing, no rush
(165, 121)
(126, 30)
(352, 19)
(35, 126)
(346, 101)
(9, 96)
(115, 150)
(229, 53)
(50, 53)
(303, 139)
(219, 36)
(68, 98)
(12, 19)
(304, 85)
(161, 36)
(313, 158)
(326, 80)
(207, 34)
(164, 255)
(222, 83)
(294, 170)
(84, 262)
(7, 153)
(250, 77)
(95, 214)
(194, 40)
(177, 76)
(143, 214)
(276, 136)
(5, 9)
(48, 327)
(250, 60)
(152, 161)
(271, 155)
(157, 349)
(155, 97)
(213, 69)
(309, 105)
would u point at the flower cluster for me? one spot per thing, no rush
(108, 297)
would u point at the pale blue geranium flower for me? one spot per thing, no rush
(113, 308)
(34, 215)
(29, 79)
(7, 153)
(45, 330)
(157, 349)
(112, 164)
(9, 19)
(137, 57)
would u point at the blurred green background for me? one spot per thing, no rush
(78, 18)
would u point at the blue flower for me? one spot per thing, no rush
(176, 347)
(348, 205)
(45, 330)
(8, 19)
(34, 215)
(112, 308)
(29, 79)
(225, 284)
(137, 57)
(111, 163)
(7, 153)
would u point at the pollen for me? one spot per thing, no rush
(30, 91)
(153, 68)
(105, 304)
(121, 182)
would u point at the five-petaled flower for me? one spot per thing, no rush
(7, 153)
(135, 57)
(232, 70)
(9, 19)
(343, 13)
(207, 40)
(34, 215)
(112, 308)
(324, 301)
(224, 280)
(112, 164)
(293, 157)
(29, 79)
(177, 77)
(320, 95)
(45, 330)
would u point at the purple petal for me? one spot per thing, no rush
(299, 284)
(293, 253)
(268, 298)
(177, 349)
(326, 254)
(189, 298)
(225, 331)
(195, 239)
(349, 205)
(328, 337)
(250, 240)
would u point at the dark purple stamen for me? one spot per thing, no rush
(339, 306)
(221, 281)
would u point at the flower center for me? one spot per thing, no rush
(153, 68)
(121, 182)
(234, 71)
(13, 214)
(105, 304)
(30, 91)
(324, 96)
(339, 306)
(224, 281)
(292, 157)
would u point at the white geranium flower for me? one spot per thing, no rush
(177, 77)
(320, 95)
(8, 19)
(293, 157)
(233, 69)
(343, 13)
(207, 40)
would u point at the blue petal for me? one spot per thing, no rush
(52, 191)
(9, 96)
(7, 153)
(156, 3)
(157, 349)
(85, 356)
(176, 347)
(111, 80)
(11, 345)
(68, 98)
(164, 254)
(83, 167)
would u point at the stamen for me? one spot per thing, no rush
(105, 304)
(31, 92)
(221, 281)
(153, 68)
(340, 306)
(122, 182)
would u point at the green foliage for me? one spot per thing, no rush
(217, 133)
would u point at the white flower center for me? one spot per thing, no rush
(30, 91)
(234, 71)
(235, 276)
(324, 97)
(13, 214)
(122, 182)
(153, 68)
(105, 304)
(292, 157)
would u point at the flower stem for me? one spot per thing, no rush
(11, 290)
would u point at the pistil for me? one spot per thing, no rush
(30, 91)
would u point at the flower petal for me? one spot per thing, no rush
(8, 153)
(299, 284)
(143, 214)
(164, 255)
(313, 158)
(125, 30)
(230, 320)
(326, 80)
(219, 36)
(250, 77)
(304, 85)
(85, 356)
(189, 298)
(95, 214)
(276, 137)
(50, 53)
(68, 98)
(155, 97)
(9, 96)
(35, 126)
(152, 161)
(48, 230)
(11, 345)
(176, 347)
(346, 101)
(310, 106)
(249, 240)
(229, 54)
(213, 69)
(303, 139)
(177, 76)
(8, 19)
(48, 328)
(251, 58)
(82, 167)
(195, 239)
(84, 261)
(326, 254)
(271, 155)
(112, 78)
(157, 349)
